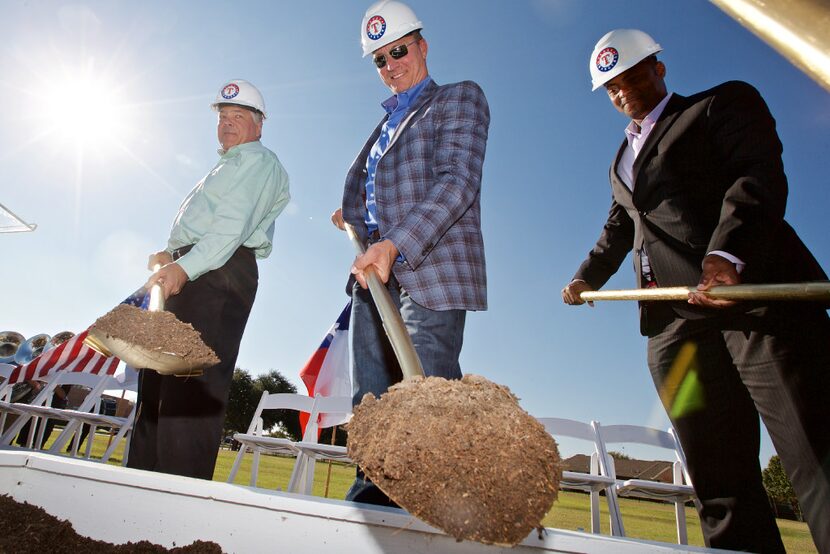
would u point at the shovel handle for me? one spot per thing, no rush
(809, 291)
(156, 297)
(390, 316)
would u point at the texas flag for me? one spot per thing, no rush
(327, 372)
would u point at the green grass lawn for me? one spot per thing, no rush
(642, 519)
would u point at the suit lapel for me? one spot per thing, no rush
(425, 96)
(616, 181)
(667, 118)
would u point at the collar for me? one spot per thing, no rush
(633, 130)
(237, 148)
(403, 100)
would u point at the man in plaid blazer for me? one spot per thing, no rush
(699, 195)
(413, 196)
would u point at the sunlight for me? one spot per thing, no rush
(84, 108)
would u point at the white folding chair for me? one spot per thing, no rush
(77, 418)
(6, 371)
(679, 491)
(39, 407)
(257, 442)
(302, 476)
(599, 477)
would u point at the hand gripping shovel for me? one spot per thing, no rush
(152, 339)
(460, 455)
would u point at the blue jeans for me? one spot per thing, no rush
(436, 335)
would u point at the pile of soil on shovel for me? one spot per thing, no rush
(460, 455)
(156, 332)
(26, 529)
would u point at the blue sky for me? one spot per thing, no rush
(104, 190)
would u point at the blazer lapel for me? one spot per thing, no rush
(425, 96)
(667, 118)
(617, 183)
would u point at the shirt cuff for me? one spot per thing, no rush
(739, 264)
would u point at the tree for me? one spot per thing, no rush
(242, 402)
(245, 393)
(618, 455)
(274, 382)
(778, 486)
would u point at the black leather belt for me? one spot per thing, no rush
(179, 252)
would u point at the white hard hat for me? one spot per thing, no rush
(619, 50)
(385, 22)
(241, 93)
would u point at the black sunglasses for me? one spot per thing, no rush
(397, 53)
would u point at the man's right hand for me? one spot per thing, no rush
(337, 219)
(159, 258)
(571, 292)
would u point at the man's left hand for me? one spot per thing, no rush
(171, 278)
(717, 271)
(380, 256)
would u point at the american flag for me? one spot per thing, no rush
(74, 355)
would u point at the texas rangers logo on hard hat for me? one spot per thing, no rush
(607, 59)
(230, 91)
(375, 27)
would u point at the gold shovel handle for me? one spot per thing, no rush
(810, 291)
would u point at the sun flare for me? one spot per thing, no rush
(84, 109)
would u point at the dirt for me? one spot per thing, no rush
(460, 455)
(156, 332)
(27, 529)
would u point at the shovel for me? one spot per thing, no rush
(159, 359)
(458, 454)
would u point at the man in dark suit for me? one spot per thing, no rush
(699, 194)
(413, 196)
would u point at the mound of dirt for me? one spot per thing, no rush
(156, 332)
(27, 529)
(460, 455)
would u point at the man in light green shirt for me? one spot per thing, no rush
(209, 279)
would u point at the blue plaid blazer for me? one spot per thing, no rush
(428, 193)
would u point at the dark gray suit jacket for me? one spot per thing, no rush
(709, 177)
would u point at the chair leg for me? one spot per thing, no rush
(116, 439)
(617, 527)
(127, 439)
(297, 473)
(679, 506)
(309, 475)
(595, 512)
(69, 432)
(680, 517)
(236, 463)
(254, 467)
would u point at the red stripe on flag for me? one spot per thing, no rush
(72, 355)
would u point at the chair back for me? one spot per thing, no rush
(326, 405)
(647, 436)
(279, 401)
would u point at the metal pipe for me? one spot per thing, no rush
(390, 316)
(798, 29)
(815, 291)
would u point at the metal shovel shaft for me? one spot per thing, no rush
(818, 290)
(390, 316)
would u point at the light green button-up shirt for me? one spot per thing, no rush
(234, 205)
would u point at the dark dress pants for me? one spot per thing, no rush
(773, 361)
(178, 428)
